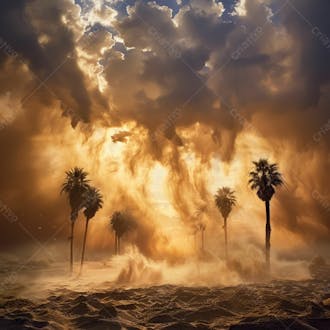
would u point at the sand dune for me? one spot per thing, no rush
(274, 305)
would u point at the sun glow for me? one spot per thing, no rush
(163, 195)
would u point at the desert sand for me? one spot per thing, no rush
(272, 305)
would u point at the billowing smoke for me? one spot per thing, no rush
(163, 104)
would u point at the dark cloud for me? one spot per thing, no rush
(274, 70)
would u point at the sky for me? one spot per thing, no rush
(162, 102)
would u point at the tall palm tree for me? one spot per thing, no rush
(225, 200)
(264, 178)
(75, 186)
(93, 201)
(120, 224)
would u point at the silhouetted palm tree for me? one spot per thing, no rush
(120, 224)
(115, 224)
(200, 226)
(225, 200)
(264, 178)
(75, 186)
(93, 201)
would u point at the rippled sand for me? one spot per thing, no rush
(275, 305)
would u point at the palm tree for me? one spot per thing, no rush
(225, 200)
(200, 226)
(264, 179)
(115, 224)
(75, 186)
(93, 201)
(120, 224)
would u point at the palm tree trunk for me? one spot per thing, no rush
(226, 238)
(71, 247)
(84, 246)
(268, 232)
(118, 245)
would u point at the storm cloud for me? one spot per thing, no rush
(192, 79)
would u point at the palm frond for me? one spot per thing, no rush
(224, 200)
(75, 186)
(92, 202)
(121, 223)
(264, 178)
